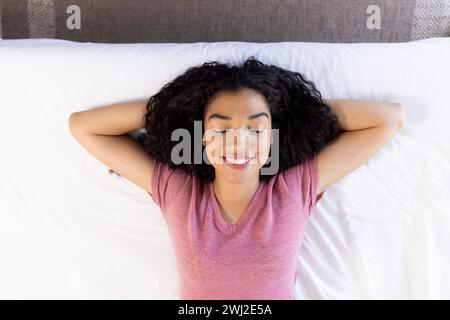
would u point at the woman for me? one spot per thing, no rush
(236, 223)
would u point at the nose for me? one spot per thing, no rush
(239, 145)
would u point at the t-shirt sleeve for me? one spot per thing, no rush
(166, 182)
(301, 183)
(309, 177)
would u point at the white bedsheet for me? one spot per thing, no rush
(68, 229)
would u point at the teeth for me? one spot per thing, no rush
(237, 161)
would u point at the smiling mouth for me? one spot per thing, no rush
(237, 162)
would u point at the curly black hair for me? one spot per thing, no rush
(305, 123)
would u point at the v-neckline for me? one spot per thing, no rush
(245, 215)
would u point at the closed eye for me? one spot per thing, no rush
(258, 131)
(218, 131)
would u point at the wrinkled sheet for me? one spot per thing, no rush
(70, 230)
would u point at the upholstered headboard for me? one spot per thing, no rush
(231, 20)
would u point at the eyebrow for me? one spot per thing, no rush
(223, 117)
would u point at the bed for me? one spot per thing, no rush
(71, 229)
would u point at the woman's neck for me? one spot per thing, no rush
(234, 197)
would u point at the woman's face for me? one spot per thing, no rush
(237, 130)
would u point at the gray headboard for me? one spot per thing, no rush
(225, 20)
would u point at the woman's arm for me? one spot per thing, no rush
(103, 132)
(368, 126)
(114, 119)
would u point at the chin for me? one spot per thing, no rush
(241, 176)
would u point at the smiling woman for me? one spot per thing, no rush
(236, 230)
(223, 97)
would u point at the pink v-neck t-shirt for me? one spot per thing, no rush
(252, 259)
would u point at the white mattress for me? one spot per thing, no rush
(70, 230)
